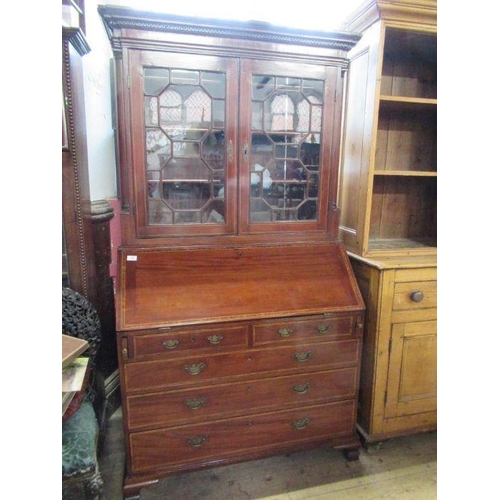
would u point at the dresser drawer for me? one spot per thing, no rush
(313, 329)
(151, 375)
(255, 396)
(178, 340)
(150, 450)
(414, 295)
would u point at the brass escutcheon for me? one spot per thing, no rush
(230, 151)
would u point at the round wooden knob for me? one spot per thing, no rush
(417, 296)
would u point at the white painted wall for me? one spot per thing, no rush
(98, 99)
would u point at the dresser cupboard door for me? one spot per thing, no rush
(412, 381)
(183, 143)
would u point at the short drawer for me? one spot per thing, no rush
(254, 396)
(414, 295)
(313, 329)
(170, 342)
(164, 448)
(150, 375)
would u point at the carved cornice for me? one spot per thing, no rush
(118, 18)
(76, 37)
(414, 12)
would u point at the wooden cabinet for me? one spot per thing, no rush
(388, 217)
(398, 391)
(239, 318)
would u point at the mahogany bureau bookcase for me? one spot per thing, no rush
(239, 319)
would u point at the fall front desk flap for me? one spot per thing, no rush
(167, 287)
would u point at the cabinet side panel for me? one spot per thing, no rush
(368, 281)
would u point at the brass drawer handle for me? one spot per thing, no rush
(195, 369)
(301, 388)
(322, 328)
(170, 344)
(285, 332)
(195, 404)
(197, 441)
(301, 424)
(215, 339)
(417, 296)
(302, 356)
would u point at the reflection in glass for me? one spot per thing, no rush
(285, 152)
(184, 112)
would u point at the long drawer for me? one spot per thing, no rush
(254, 396)
(163, 448)
(178, 372)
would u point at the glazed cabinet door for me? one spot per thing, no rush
(184, 143)
(287, 149)
(412, 380)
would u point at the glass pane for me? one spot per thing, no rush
(257, 116)
(214, 84)
(186, 77)
(219, 111)
(155, 80)
(262, 87)
(313, 88)
(186, 195)
(186, 169)
(151, 111)
(157, 148)
(185, 146)
(213, 151)
(285, 152)
(288, 83)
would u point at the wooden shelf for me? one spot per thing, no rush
(399, 243)
(405, 103)
(407, 173)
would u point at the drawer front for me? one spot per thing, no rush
(414, 295)
(150, 450)
(149, 375)
(175, 341)
(209, 402)
(314, 329)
